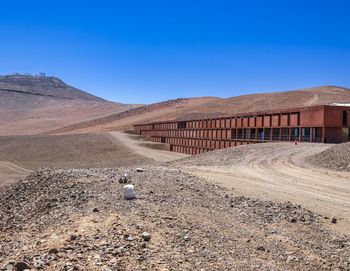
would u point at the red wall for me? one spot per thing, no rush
(312, 118)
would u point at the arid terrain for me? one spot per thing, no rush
(242, 213)
(21, 154)
(273, 206)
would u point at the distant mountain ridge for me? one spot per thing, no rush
(43, 85)
(36, 104)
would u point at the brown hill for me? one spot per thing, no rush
(32, 105)
(193, 108)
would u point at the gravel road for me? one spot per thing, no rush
(139, 147)
(278, 172)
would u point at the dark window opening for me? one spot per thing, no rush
(305, 134)
(252, 133)
(275, 134)
(181, 125)
(295, 134)
(233, 133)
(285, 134)
(345, 118)
(267, 134)
(239, 134)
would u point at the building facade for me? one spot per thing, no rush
(327, 124)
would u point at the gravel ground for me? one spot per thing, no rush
(68, 151)
(21, 154)
(335, 158)
(238, 155)
(77, 219)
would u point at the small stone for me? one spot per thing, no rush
(261, 248)
(73, 237)
(139, 169)
(38, 263)
(293, 220)
(95, 210)
(130, 238)
(186, 238)
(53, 251)
(289, 259)
(334, 220)
(21, 266)
(146, 236)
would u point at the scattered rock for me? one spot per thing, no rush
(146, 236)
(190, 231)
(261, 248)
(21, 266)
(290, 259)
(53, 251)
(334, 220)
(73, 237)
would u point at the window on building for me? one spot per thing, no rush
(345, 118)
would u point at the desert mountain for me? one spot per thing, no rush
(193, 108)
(36, 104)
(42, 86)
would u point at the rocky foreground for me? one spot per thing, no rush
(78, 220)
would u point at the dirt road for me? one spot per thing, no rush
(279, 172)
(140, 148)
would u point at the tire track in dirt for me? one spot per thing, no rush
(283, 175)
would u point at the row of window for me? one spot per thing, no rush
(241, 133)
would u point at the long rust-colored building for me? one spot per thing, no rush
(326, 123)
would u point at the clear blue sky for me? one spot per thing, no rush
(148, 51)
